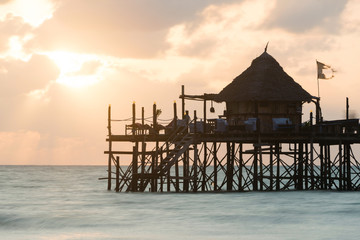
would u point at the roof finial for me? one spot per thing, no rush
(266, 46)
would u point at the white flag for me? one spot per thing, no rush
(321, 67)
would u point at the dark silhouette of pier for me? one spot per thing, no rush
(259, 143)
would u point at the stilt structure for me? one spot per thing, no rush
(259, 144)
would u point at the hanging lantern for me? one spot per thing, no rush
(212, 109)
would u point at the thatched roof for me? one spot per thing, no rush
(264, 80)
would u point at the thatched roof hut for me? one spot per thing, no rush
(264, 80)
(264, 92)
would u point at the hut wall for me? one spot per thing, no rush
(240, 112)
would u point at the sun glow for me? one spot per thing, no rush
(34, 12)
(76, 70)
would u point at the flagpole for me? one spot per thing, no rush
(318, 84)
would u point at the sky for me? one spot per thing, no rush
(62, 62)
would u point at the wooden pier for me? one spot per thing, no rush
(266, 147)
(316, 158)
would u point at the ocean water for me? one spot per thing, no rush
(69, 202)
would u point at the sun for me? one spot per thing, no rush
(72, 72)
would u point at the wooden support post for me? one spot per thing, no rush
(196, 157)
(195, 122)
(271, 168)
(175, 110)
(230, 165)
(312, 164)
(241, 162)
(203, 184)
(186, 160)
(341, 163)
(306, 177)
(318, 111)
(186, 171)
(117, 173)
(277, 152)
(348, 166)
(155, 124)
(255, 164)
(133, 118)
(177, 182)
(261, 170)
(155, 163)
(347, 108)
(182, 102)
(325, 168)
(161, 176)
(175, 116)
(142, 120)
(228, 156)
(143, 150)
(195, 185)
(110, 148)
(300, 182)
(322, 171)
(168, 180)
(215, 166)
(134, 180)
(328, 157)
(143, 163)
(205, 119)
(152, 180)
(295, 175)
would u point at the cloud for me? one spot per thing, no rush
(4, 1)
(21, 77)
(12, 26)
(118, 28)
(202, 44)
(305, 15)
(350, 17)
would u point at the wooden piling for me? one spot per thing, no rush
(205, 118)
(134, 180)
(348, 166)
(255, 167)
(306, 175)
(133, 118)
(143, 149)
(168, 180)
(295, 164)
(117, 173)
(341, 167)
(277, 152)
(347, 108)
(271, 163)
(261, 175)
(215, 167)
(177, 182)
(230, 165)
(182, 101)
(110, 148)
(322, 166)
(203, 183)
(241, 162)
(300, 181)
(312, 178)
